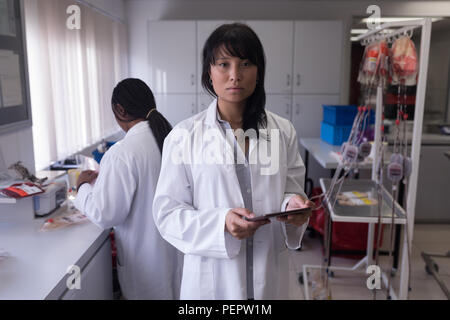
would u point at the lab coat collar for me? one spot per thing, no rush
(212, 119)
(219, 118)
(138, 127)
(211, 114)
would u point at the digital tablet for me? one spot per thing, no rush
(279, 214)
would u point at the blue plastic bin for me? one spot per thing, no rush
(335, 135)
(339, 115)
(342, 115)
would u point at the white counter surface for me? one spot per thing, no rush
(325, 153)
(427, 138)
(38, 261)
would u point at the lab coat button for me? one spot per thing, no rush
(248, 190)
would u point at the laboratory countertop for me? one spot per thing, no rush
(37, 262)
(326, 154)
(323, 152)
(427, 138)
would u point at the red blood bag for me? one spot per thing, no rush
(374, 65)
(383, 70)
(404, 61)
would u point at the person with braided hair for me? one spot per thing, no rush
(120, 196)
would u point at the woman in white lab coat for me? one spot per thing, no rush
(122, 196)
(203, 198)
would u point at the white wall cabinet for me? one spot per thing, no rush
(317, 57)
(279, 104)
(203, 101)
(307, 113)
(176, 107)
(277, 40)
(172, 56)
(432, 206)
(303, 68)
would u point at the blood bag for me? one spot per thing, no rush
(383, 70)
(371, 59)
(364, 149)
(369, 64)
(374, 66)
(407, 164)
(395, 172)
(350, 153)
(397, 158)
(404, 61)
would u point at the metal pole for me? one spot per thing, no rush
(415, 151)
(377, 141)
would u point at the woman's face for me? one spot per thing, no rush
(233, 79)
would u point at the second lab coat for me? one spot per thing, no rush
(148, 267)
(195, 192)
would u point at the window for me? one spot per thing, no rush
(72, 74)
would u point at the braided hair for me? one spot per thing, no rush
(138, 101)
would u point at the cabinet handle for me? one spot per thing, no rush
(297, 111)
(288, 80)
(193, 108)
(298, 80)
(287, 108)
(192, 80)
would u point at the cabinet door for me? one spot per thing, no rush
(172, 56)
(307, 113)
(317, 57)
(433, 201)
(204, 30)
(96, 278)
(176, 107)
(277, 40)
(279, 104)
(203, 101)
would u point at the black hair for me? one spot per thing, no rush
(239, 40)
(138, 101)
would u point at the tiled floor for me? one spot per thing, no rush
(352, 285)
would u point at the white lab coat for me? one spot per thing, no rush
(193, 197)
(148, 267)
